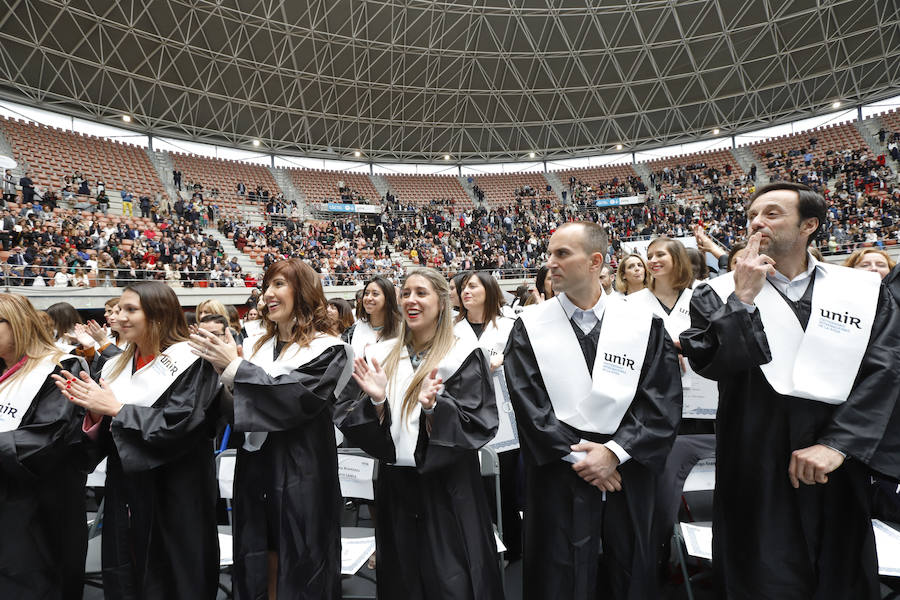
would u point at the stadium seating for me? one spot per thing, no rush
(50, 154)
(224, 175)
(323, 186)
(499, 190)
(420, 190)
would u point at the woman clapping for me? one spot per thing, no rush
(153, 415)
(287, 498)
(42, 508)
(424, 415)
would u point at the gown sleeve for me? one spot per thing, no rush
(464, 419)
(147, 437)
(647, 431)
(101, 358)
(545, 438)
(357, 418)
(867, 425)
(48, 431)
(724, 337)
(264, 403)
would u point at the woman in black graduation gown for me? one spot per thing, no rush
(287, 499)
(425, 414)
(42, 474)
(152, 415)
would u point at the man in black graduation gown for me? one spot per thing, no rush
(791, 519)
(605, 491)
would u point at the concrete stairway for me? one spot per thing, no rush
(247, 265)
(464, 182)
(162, 162)
(868, 128)
(557, 185)
(747, 159)
(381, 185)
(291, 192)
(644, 173)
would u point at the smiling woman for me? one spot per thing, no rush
(286, 494)
(41, 475)
(152, 415)
(424, 416)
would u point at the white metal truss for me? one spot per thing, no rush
(480, 80)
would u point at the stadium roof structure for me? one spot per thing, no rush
(475, 81)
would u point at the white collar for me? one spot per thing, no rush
(811, 264)
(569, 308)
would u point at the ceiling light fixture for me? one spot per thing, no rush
(446, 157)
(619, 146)
(836, 104)
(357, 154)
(256, 143)
(126, 118)
(716, 131)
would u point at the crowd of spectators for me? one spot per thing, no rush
(63, 249)
(59, 247)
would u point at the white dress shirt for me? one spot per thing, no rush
(586, 320)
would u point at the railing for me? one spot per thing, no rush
(14, 276)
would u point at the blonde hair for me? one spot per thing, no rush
(212, 307)
(439, 346)
(857, 256)
(31, 336)
(621, 284)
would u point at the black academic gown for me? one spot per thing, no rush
(287, 496)
(566, 518)
(433, 526)
(771, 541)
(42, 507)
(159, 522)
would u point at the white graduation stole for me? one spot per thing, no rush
(822, 362)
(363, 335)
(405, 431)
(590, 401)
(493, 341)
(292, 358)
(701, 395)
(254, 328)
(63, 346)
(147, 384)
(17, 395)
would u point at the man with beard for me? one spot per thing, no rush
(804, 353)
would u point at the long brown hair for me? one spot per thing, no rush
(682, 268)
(440, 344)
(493, 297)
(621, 284)
(31, 337)
(392, 318)
(165, 321)
(310, 307)
(64, 318)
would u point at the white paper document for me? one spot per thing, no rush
(887, 544)
(355, 552)
(226, 476)
(507, 437)
(702, 477)
(700, 397)
(355, 474)
(97, 478)
(697, 540)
